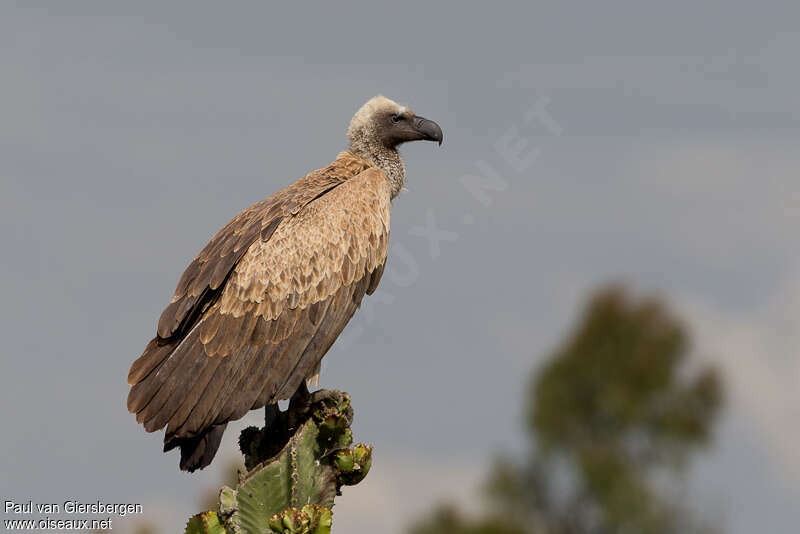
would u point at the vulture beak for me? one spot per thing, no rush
(429, 130)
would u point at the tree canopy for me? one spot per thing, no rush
(611, 418)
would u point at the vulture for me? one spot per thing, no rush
(257, 309)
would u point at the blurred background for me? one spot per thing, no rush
(589, 319)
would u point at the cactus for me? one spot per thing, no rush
(207, 522)
(296, 465)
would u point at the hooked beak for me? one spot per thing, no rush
(427, 129)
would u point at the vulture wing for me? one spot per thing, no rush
(259, 307)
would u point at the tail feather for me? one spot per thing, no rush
(197, 452)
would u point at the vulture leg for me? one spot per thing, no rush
(271, 415)
(299, 405)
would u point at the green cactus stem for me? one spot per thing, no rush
(205, 523)
(296, 465)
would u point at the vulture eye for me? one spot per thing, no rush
(396, 117)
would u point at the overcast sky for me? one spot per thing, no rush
(654, 143)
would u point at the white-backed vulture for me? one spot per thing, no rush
(261, 304)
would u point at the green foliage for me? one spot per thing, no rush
(292, 490)
(611, 409)
(616, 380)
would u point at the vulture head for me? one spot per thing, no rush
(379, 127)
(384, 124)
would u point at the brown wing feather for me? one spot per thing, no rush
(276, 313)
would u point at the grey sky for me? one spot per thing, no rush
(132, 131)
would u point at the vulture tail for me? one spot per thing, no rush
(197, 452)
